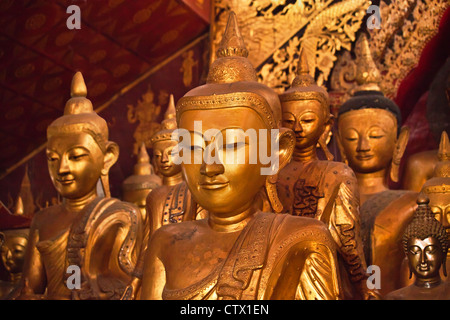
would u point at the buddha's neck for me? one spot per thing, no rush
(371, 183)
(428, 283)
(305, 154)
(80, 203)
(15, 276)
(173, 180)
(231, 223)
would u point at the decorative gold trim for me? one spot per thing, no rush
(219, 101)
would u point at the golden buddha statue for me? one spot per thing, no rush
(137, 187)
(172, 201)
(325, 190)
(101, 236)
(425, 242)
(238, 252)
(372, 144)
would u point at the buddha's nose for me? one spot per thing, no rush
(363, 144)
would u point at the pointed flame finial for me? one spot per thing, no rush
(232, 43)
(368, 76)
(78, 91)
(170, 112)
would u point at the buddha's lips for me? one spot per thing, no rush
(364, 157)
(424, 267)
(65, 181)
(213, 185)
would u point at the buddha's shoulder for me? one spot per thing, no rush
(338, 169)
(296, 229)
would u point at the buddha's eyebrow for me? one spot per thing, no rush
(79, 147)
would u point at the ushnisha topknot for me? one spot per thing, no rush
(168, 125)
(232, 82)
(304, 87)
(79, 115)
(368, 93)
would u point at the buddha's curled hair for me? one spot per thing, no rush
(424, 225)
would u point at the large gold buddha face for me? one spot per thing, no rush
(223, 188)
(368, 138)
(13, 247)
(308, 120)
(163, 159)
(75, 162)
(425, 257)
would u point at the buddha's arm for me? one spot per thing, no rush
(154, 210)
(319, 279)
(33, 276)
(154, 273)
(345, 229)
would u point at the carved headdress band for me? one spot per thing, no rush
(79, 115)
(168, 125)
(232, 82)
(304, 86)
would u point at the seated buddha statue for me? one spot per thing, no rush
(321, 189)
(238, 251)
(372, 144)
(137, 186)
(425, 242)
(98, 235)
(172, 201)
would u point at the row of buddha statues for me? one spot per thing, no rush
(220, 230)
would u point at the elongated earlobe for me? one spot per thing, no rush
(111, 156)
(286, 149)
(399, 150)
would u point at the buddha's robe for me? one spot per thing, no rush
(328, 192)
(104, 241)
(273, 257)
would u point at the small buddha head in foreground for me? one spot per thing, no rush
(426, 244)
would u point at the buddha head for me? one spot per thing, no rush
(369, 134)
(14, 231)
(13, 244)
(138, 186)
(78, 150)
(425, 243)
(163, 144)
(232, 114)
(438, 187)
(306, 110)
